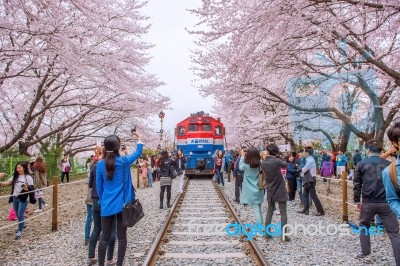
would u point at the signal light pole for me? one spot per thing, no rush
(161, 115)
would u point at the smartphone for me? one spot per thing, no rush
(123, 147)
(133, 130)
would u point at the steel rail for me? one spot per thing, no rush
(151, 256)
(253, 248)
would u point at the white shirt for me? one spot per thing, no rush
(22, 179)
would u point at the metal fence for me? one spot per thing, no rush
(53, 165)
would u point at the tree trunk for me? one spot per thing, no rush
(344, 138)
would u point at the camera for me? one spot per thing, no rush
(133, 129)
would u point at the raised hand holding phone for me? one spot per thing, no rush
(135, 134)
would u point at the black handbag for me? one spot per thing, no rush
(132, 212)
(172, 172)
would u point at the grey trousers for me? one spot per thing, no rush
(389, 220)
(282, 210)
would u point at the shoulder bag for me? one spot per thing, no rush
(172, 172)
(262, 180)
(133, 211)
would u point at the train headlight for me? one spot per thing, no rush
(209, 153)
(190, 153)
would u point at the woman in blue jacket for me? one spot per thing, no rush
(113, 182)
(291, 174)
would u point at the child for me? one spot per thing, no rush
(143, 167)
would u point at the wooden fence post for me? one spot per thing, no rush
(345, 206)
(54, 217)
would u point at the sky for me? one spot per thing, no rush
(171, 60)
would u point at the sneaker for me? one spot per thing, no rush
(37, 210)
(45, 205)
(18, 235)
(277, 212)
(364, 258)
(91, 261)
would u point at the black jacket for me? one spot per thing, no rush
(368, 180)
(164, 169)
(183, 161)
(24, 197)
(276, 186)
(92, 181)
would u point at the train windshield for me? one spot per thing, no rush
(181, 130)
(206, 127)
(193, 127)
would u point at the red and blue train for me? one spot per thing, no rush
(199, 136)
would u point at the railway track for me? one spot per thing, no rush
(194, 232)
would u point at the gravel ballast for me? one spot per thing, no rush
(314, 250)
(39, 246)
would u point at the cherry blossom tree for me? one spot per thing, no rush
(73, 68)
(258, 48)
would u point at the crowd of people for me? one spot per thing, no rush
(258, 176)
(375, 179)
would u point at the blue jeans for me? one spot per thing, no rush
(19, 208)
(220, 178)
(41, 202)
(299, 182)
(96, 233)
(89, 219)
(150, 177)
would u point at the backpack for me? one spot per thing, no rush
(393, 177)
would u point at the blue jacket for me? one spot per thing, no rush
(391, 195)
(291, 171)
(237, 171)
(111, 192)
(341, 160)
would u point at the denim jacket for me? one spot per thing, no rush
(391, 195)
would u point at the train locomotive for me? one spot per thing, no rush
(199, 136)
